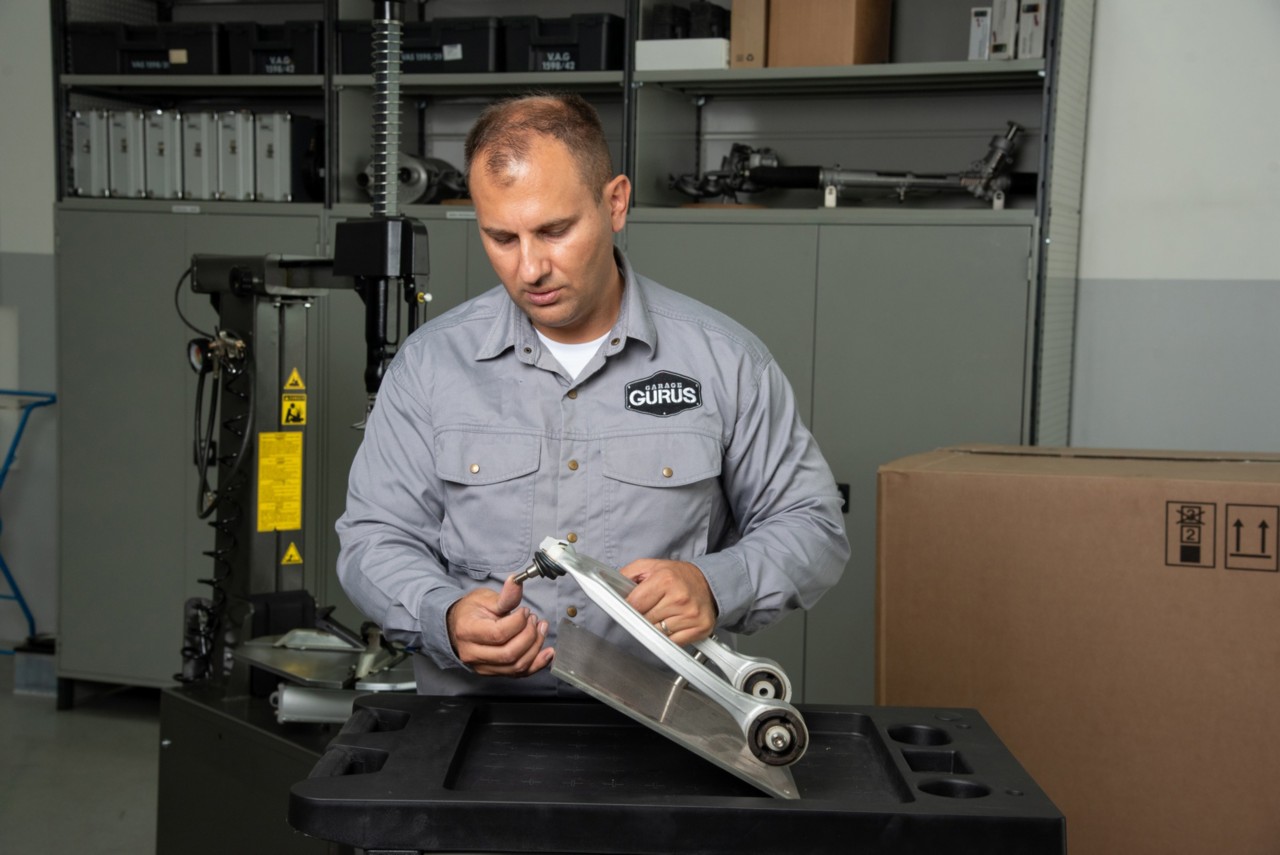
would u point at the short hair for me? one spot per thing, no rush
(503, 133)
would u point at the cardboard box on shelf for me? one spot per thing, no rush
(1113, 615)
(663, 54)
(828, 32)
(748, 30)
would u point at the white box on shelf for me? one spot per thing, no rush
(164, 154)
(1031, 25)
(235, 156)
(200, 155)
(980, 32)
(127, 154)
(89, 148)
(1004, 28)
(681, 54)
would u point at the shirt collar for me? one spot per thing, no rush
(512, 328)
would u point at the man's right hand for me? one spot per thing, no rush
(495, 638)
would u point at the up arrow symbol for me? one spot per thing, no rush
(1262, 527)
(1237, 525)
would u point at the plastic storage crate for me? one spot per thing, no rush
(154, 49)
(294, 47)
(443, 45)
(576, 43)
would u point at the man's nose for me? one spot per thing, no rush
(534, 264)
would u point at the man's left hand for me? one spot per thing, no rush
(673, 595)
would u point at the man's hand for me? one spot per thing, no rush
(675, 592)
(493, 637)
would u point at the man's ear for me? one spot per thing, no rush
(617, 194)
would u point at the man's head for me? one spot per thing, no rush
(548, 204)
(504, 131)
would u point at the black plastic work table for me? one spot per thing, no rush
(421, 774)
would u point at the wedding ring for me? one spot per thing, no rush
(662, 624)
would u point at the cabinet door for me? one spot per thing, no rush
(763, 277)
(125, 446)
(922, 341)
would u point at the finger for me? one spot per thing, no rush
(493, 632)
(646, 595)
(516, 658)
(510, 596)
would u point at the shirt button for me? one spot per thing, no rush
(572, 538)
(573, 394)
(615, 342)
(571, 611)
(475, 467)
(573, 464)
(666, 472)
(528, 350)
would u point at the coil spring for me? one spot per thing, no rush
(386, 117)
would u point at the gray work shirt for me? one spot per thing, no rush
(680, 439)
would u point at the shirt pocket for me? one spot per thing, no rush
(662, 494)
(488, 513)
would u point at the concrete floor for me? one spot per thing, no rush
(81, 780)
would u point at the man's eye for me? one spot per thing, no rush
(504, 239)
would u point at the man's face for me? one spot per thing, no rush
(550, 240)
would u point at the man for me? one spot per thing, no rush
(582, 401)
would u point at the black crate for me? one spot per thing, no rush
(668, 21)
(708, 21)
(576, 43)
(294, 47)
(153, 49)
(442, 45)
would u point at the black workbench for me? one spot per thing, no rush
(421, 774)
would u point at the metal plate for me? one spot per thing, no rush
(323, 669)
(658, 700)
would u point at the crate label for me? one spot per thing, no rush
(178, 56)
(149, 64)
(279, 64)
(421, 56)
(452, 52)
(565, 59)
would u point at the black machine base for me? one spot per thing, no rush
(421, 774)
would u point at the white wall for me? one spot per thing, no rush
(28, 161)
(28, 502)
(1178, 324)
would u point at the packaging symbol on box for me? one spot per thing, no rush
(200, 155)
(89, 144)
(164, 154)
(1004, 28)
(235, 155)
(1031, 26)
(127, 163)
(980, 32)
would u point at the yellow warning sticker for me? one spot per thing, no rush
(293, 410)
(291, 555)
(280, 481)
(294, 381)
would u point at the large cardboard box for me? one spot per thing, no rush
(828, 32)
(1114, 615)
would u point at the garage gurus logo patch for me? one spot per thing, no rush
(664, 394)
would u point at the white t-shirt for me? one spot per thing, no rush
(574, 357)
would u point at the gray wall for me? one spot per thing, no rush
(28, 502)
(1178, 323)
